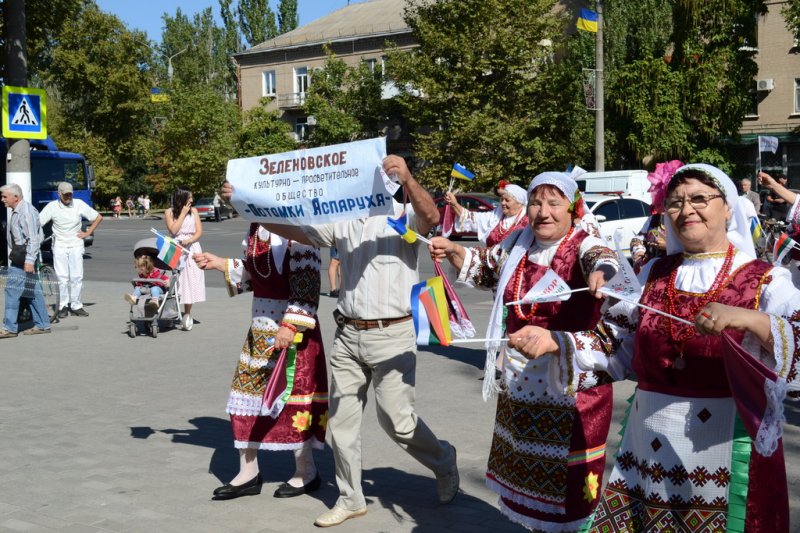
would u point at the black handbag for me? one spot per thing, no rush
(17, 255)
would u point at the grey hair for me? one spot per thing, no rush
(12, 188)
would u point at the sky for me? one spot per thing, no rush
(146, 14)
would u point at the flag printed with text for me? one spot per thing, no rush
(169, 251)
(767, 143)
(550, 288)
(430, 313)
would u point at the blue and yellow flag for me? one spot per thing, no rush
(461, 173)
(587, 21)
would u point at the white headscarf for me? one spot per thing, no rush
(517, 193)
(738, 226)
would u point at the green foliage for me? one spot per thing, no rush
(257, 21)
(263, 132)
(198, 139)
(287, 15)
(791, 12)
(476, 70)
(345, 101)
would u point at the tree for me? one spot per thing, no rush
(98, 87)
(257, 21)
(470, 88)
(791, 12)
(232, 44)
(287, 16)
(263, 132)
(198, 140)
(345, 102)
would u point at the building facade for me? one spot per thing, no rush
(282, 68)
(776, 102)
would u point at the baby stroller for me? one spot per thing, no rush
(168, 312)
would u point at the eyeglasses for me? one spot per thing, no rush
(697, 201)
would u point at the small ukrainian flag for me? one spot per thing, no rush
(461, 173)
(755, 229)
(587, 21)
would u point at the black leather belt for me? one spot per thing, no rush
(367, 324)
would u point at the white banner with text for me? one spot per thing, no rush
(313, 186)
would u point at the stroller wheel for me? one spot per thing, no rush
(132, 330)
(154, 329)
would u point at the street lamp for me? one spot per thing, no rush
(170, 71)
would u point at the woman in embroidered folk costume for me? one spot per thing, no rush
(691, 459)
(493, 226)
(547, 456)
(284, 278)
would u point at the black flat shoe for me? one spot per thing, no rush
(229, 492)
(288, 491)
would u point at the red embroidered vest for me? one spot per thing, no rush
(274, 286)
(703, 373)
(579, 313)
(498, 234)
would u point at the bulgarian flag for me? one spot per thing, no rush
(783, 246)
(430, 313)
(169, 251)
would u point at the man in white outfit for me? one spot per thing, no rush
(67, 214)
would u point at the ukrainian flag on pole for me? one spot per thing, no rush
(587, 20)
(459, 171)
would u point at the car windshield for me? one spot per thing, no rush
(204, 201)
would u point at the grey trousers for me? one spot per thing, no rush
(387, 358)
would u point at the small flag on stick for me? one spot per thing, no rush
(429, 311)
(169, 251)
(400, 225)
(550, 288)
(461, 172)
(783, 246)
(587, 20)
(767, 143)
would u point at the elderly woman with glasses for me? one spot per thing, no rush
(548, 452)
(493, 226)
(685, 462)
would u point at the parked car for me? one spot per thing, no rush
(478, 202)
(617, 213)
(205, 208)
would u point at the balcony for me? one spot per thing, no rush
(291, 100)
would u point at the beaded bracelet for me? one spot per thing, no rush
(288, 326)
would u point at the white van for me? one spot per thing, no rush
(629, 183)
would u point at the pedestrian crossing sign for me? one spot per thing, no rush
(24, 113)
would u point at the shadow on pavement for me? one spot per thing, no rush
(470, 356)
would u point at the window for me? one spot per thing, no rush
(753, 110)
(301, 80)
(301, 128)
(797, 95)
(610, 210)
(268, 83)
(372, 64)
(634, 208)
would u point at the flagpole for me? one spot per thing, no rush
(466, 341)
(643, 306)
(599, 116)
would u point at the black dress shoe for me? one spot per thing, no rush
(288, 491)
(63, 312)
(229, 492)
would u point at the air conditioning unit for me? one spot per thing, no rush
(767, 84)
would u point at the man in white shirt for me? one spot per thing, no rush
(66, 214)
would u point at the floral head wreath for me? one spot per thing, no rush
(659, 179)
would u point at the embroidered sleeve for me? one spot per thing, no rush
(237, 278)
(793, 217)
(781, 300)
(481, 268)
(589, 358)
(595, 255)
(304, 284)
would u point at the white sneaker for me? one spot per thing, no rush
(130, 298)
(447, 485)
(187, 323)
(337, 515)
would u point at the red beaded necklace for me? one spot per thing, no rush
(255, 255)
(679, 332)
(501, 231)
(518, 275)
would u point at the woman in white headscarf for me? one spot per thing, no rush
(548, 452)
(685, 459)
(493, 226)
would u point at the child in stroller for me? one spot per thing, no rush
(154, 289)
(154, 300)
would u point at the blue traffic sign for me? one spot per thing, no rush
(24, 113)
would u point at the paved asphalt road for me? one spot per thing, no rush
(101, 432)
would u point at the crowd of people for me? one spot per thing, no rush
(689, 459)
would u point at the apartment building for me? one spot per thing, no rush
(281, 68)
(776, 102)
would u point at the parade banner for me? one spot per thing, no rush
(313, 186)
